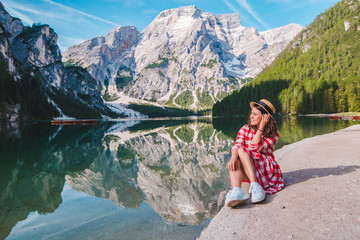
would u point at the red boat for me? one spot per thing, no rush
(73, 122)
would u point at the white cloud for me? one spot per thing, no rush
(187, 1)
(72, 10)
(248, 8)
(24, 10)
(150, 11)
(64, 42)
(73, 40)
(279, 1)
(230, 6)
(233, 8)
(128, 3)
(21, 7)
(25, 19)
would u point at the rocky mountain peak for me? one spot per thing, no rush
(121, 37)
(229, 21)
(12, 25)
(185, 11)
(37, 46)
(184, 58)
(44, 88)
(281, 34)
(109, 58)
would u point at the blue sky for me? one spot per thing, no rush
(78, 20)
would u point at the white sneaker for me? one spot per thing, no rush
(235, 197)
(256, 192)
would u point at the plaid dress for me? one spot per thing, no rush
(268, 171)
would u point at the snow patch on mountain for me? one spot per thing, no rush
(182, 50)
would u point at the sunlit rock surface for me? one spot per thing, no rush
(183, 51)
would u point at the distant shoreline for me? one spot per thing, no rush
(331, 114)
(355, 116)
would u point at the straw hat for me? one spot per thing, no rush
(265, 104)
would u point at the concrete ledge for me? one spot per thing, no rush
(320, 199)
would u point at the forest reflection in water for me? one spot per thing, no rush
(176, 167)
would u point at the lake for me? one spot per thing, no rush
(130, 179)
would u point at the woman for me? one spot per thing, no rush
(252, 158)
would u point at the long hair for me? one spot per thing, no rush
(270, 128)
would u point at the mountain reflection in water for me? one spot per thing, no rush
(177, 167)
(178, 170)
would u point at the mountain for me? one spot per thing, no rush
(108, 59)
(34, 83)
(318, 72)
(185, 58)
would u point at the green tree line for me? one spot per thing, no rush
(318, 72)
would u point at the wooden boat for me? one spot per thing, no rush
(346, 117)
(335, 117)
(73, 122)
(356, 118)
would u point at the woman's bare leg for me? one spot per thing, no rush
(237, 175)
(235, 171)
(247, 164)
(236, 178)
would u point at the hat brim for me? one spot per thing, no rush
(252, 104)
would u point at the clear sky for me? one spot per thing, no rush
(78, 20)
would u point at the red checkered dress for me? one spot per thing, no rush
(268, 172)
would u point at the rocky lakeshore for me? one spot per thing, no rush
(319, 201)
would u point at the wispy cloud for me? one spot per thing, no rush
(65, 41)
(23, 10)
(249, 9)
(65, 20)
(279, 1)
(16, 9)
(21, 7)
(234, 7)
(72, 10)
(230, 6)
(73, 40)
(128, 3)
(23, 17)
(150, 11)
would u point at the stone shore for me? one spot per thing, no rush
(320, 199)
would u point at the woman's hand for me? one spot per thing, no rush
(233, 164)
(264, 121)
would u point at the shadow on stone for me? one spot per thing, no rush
(299, 176)
(302, 175)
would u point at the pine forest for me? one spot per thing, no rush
(318, 72)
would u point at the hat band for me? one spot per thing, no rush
(266, 107)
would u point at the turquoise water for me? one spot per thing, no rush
(149, 179)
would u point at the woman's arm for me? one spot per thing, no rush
(240, 139)
(257, 143)
(265, 143)
(259, 132)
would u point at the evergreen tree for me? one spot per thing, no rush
(318, 72)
